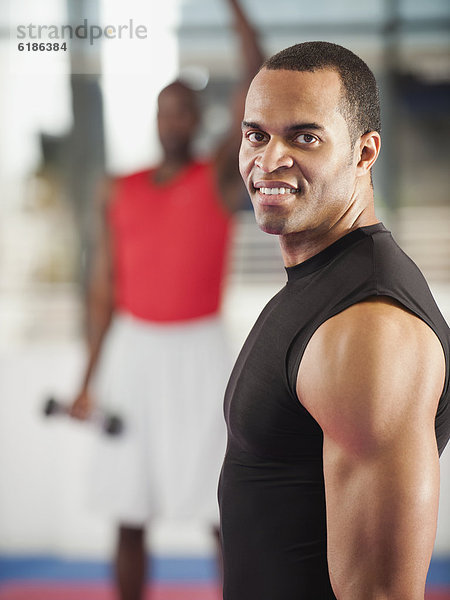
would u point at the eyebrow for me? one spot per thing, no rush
(290, 129)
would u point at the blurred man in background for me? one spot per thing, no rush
(338, 406)
(156, 342)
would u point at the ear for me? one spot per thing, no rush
(369, 148)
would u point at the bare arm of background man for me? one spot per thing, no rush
(99, 302)
(251, 57)
(372, 376)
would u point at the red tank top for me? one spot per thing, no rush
(169, 244)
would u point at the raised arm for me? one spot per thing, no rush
(372, 377)
(226, 158)
(252, 54)
(100, 305)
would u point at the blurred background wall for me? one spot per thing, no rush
(68, 117)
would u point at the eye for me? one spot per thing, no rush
(255, 136)
(306, 138)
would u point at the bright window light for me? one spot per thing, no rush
(135, 67)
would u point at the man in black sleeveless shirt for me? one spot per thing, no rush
(338, 406)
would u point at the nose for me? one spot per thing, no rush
(274, 155)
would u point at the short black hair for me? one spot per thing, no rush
(360, 102)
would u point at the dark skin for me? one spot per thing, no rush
(178, 119)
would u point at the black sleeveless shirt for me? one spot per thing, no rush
(271, 491)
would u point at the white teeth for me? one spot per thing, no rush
(276, 191)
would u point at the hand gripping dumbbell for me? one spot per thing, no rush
(111, 424)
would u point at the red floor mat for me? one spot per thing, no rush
(40, 591)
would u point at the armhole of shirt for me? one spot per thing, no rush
(296, 350)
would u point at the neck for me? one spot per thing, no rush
(177, 159)
(170, 166)
(298, 247)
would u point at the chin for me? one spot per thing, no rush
(270, 226)
(270, 229)
(271, 220)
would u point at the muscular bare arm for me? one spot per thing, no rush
(99, 304)
(226, 158)
(372, 377)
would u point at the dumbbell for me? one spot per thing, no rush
(111, 424)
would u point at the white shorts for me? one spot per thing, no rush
(167, 383)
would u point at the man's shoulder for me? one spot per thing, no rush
(134, 176)
(202, 167)
(374, 315)
(392, 262)
(372, 363)
(378, 324)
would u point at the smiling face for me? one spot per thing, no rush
(296, 156)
